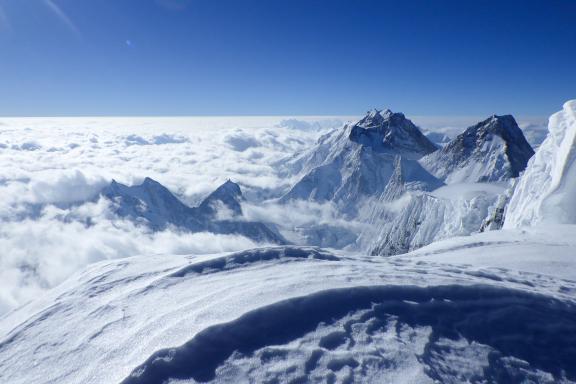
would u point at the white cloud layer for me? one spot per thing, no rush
(52, 222)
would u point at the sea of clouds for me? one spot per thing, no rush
(53, 223)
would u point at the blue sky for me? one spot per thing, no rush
(296, 57)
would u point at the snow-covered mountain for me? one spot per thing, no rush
(476, 165)
(546, 193)
(363, 160)
(383, 171)
(423, 218)
(492, 150)
(153, 205)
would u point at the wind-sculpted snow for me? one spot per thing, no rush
(286, 313)
(498, 306)
(499, 323)
(250, 257)
(546, 192)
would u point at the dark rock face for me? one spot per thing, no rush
(357, 162)
(391, 132)
(228, 194)
(492, 150)
(154, 206)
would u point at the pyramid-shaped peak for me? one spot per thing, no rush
(228, 188)
(494, 149)
(229, 194)
(150, 182)
(392, 132)
(504, 126)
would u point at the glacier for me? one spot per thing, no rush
(452, 210)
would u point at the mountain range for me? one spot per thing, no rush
(380, 171)
(153, 205)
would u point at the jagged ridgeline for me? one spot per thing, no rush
(383, 171)
(363, 161)
(153, 205)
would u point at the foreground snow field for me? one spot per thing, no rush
(485, 307)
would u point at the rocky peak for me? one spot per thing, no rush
(494, 149)
(228, 194)
(391, 132)
(518, 150)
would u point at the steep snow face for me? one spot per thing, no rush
(492, 150)
(153, 205)
(546, 192)
(453, 210)
(448, 313)
(358, 162)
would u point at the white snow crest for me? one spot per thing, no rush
(546, 192)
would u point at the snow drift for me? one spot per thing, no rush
(302, 314)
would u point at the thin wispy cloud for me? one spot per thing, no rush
(63, 17)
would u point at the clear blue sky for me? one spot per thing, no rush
(254, 57)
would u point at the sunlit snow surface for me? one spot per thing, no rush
(547, 191)
(498, 306)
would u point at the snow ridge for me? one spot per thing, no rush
(546, 193)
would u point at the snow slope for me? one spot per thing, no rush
(449, 312)
(546, 192)
(452, 210)
(492, 150)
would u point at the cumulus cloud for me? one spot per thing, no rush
(240, 141)
(52, 222)
(39, 253)
(300, 221)
(162, 139)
